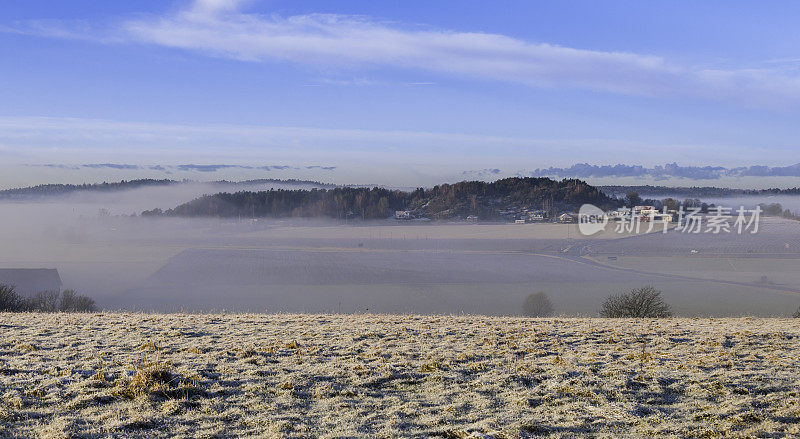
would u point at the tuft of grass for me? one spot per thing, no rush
(100, 375)
(149, 346)
(14, 400)
(245, 352)
(5, 414)
(38, 393)
(25, 347)
(149, 377)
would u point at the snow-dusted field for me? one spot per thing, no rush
(126, 375)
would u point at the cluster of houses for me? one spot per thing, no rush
(643, 213)
(525, 216)
(522, 216)
(540, 217)
(404, 215)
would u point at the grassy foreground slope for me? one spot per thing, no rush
(138, 375)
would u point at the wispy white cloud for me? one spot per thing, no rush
(224, 28)
(354, 42)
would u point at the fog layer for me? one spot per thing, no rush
(169, 264)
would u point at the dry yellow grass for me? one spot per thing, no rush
(138, 375)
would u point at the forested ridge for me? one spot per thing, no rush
(486, 200)
(60, 189)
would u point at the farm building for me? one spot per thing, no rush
(29, 281)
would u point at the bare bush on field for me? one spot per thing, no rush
(645, 302)
(538, 305)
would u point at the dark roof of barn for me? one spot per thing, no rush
(31, 280)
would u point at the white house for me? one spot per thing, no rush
(402, 214)
(645, 210)
(567, 218)
(536, 217)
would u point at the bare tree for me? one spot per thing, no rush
(538, 305)
(796, 314)
(74, 302)
(640, 302)
(45, 301)
(9, 299)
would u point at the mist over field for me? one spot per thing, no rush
(124, 261)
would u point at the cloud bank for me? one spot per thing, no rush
(669, 170)
(390, 156)
(185, 168)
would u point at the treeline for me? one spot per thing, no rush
(45, 301)
(694, 192)
(776, 209)
(487, 200)
(279, 203)
(288, 181)
(61, 189)
(633, 199)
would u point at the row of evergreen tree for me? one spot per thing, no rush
(487, 200)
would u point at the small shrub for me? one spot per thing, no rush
(74, 302)
(538, 305)
(45, 301)
(10, 300)
(796, 314)
(645, 302)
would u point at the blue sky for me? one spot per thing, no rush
(393, 92)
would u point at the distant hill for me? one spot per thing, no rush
(693, 192)
(288, 182)
(499, 199)
(63, 189)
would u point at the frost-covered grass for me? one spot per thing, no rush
(395, 375)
